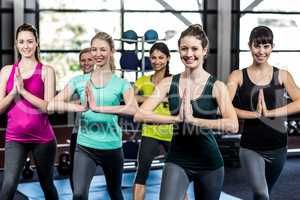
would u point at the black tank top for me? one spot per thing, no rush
(263, 133)
(193, 147)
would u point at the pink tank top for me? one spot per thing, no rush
(25, 122)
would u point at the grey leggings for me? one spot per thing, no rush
(15, 156)
(262, 169)
(175, 181)
(85, 162)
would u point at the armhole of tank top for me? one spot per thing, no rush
(275, 79)
(12, 71)
(209, 86)
(173, 85)
(244, 76)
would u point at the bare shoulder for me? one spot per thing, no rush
(219, 87)
(6, 68)
(236, 74)
(283, 76)
(5, 71)
(47, 70)
(236, 77)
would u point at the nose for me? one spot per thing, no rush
(261, 49)
(189, 52)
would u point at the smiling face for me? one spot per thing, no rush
(261, 52)
(26, 44)
(159, 60)
(101, 52)
(191, 51)
(86, 62)
(261, 44)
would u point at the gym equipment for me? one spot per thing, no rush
(150, 36)
(147, 64)
(129, 60)
(27, 171)
(130, 36)
(63, 167)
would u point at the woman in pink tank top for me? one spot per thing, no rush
(25, 89)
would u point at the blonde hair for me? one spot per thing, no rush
(106, 37)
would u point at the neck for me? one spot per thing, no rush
(159, 75)
(102, 72)
(195, 73)
(260, 67)
(28, 62)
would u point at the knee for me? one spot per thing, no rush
(8, 186)
(116, 195)
(141, 176)
(79, 196)
(261, 195)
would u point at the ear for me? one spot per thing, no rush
(205, 51)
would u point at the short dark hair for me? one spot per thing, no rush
(261, 35)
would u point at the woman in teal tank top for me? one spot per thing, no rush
(99, 140)
(194, 98)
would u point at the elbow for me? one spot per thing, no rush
(233, 126)
(44, 108)
(50, 107)
(133, 110)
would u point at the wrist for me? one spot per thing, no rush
(257, 114)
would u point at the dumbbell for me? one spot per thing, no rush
(63, 167)
(27, 171)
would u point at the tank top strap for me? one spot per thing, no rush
(275, 78)
(173, 96)
(12, 73)
(174, 84)
(209, 85)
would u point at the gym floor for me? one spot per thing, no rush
(287, 187)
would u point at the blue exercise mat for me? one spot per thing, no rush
(98, 190)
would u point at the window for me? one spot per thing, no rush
(66, 26)
(284, 20)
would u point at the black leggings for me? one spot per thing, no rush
(149, 148)
(15, 157)
(72, 152)
(85, 163)
(175, 181)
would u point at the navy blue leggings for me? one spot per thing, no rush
(15, 157)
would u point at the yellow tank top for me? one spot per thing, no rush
(160, 132)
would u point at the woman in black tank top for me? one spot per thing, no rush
(194, 97)
(258, 95)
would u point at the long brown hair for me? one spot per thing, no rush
(32, 29)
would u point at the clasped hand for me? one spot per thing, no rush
(261, 108)
(186, 111)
